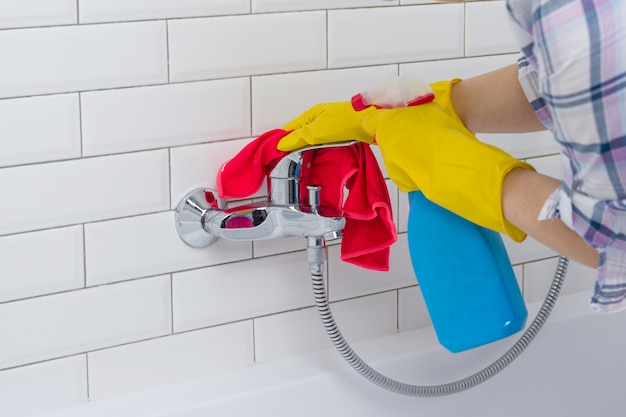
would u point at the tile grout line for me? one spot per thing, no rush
(87, 376)
(167, 51)
(172, 301)
(84, 256)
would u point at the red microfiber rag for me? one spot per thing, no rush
(369, 229)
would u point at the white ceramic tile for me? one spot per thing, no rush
(197, 166)
(518, 270)
(43, 387)
(17, 13)
(120, 10)
(65, 324)
(300, 331)
(524, 145)
(286, 334)
(397, 34)
(347, 280)
(41, 262)
(276, 246)
(237, 291)
(526, 251)
(170, 115)
(259, 6)
(277, 99)
(367, 317)
(488, 29)
(412, 311)
(394, 192)
(289, 42)
(403, 211)
(170, 359)
(548, 165)
(141, 246)
(432, 71)
(38, 129)
(538, 277)
(71, 192)
(73, 58)
(379, 159)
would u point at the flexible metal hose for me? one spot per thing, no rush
(316, 253)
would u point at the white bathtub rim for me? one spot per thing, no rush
(182, 398)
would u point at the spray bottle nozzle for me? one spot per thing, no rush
(396, 93)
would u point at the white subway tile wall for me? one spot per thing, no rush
(110, 112)
(150, 363)
(281, 97)
(82, 57)
(487, 30)
(40, 387)
(74, 322)
(374, 36)
(40, 263)
(82, 190)
(92, 11)
(17, 13)
(292, 5)
(246, 45)
(148, 245)
(132, 119)
(39, 129)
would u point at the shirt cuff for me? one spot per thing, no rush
(609, 295)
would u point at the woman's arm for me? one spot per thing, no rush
(494, 102)
(523, 195)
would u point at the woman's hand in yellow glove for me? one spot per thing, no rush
(428, 148)
(327, 123)
(339, 121)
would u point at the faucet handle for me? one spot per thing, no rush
(285, 181)
(314, 197)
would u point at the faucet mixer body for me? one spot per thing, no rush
(292, 209)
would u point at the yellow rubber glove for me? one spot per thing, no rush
(339, 122)
(327, 123)
(428, 148)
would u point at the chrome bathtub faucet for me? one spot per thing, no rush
(292, 209)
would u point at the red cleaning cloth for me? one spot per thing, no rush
(369, 229)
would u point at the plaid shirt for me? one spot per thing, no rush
(573, 71)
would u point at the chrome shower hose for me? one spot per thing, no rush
(316, 253)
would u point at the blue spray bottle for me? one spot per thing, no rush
(463, 269)
(465, 275)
